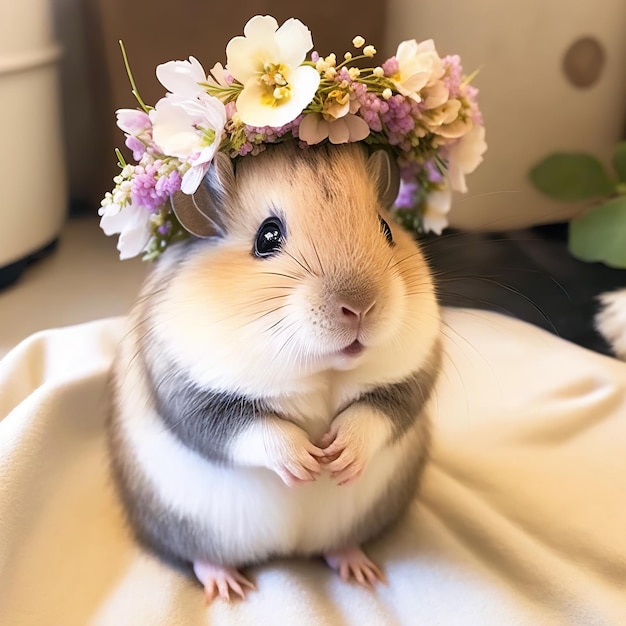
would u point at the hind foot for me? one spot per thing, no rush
(221, 581)
(354, 563)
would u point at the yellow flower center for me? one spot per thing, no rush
(340, 96)
(277, 89)
(336, 105)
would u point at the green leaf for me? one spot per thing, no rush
(619, 161)
(600, 234)
(571, 176)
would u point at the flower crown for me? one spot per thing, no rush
(416, 103)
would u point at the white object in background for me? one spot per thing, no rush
(33, 198)
(530, 105)
(611, 321)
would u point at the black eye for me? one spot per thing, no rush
(269, 238)
(386, 230)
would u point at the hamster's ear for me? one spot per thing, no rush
(385, 173)
(202, 212)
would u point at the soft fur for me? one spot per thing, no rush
(268, 331)
(611, 321)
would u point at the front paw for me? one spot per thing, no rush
(354, 437)
(292, 456)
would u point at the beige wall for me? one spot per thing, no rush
(529, 105)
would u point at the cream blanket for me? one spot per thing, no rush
(522, 519)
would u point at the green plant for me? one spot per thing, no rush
(599, 234)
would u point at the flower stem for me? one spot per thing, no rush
(351, 59)
(134, 89)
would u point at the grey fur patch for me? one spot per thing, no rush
(176, 539)
(387, 510)
(403, 402)
(204, 420)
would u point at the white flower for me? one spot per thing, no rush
(435, 214)
(267, 61)
(465, 156)
(132, 223)
(419, 65)
(190, 129)
(347, 129)
(182, 77)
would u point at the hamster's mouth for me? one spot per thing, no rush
(354, 349)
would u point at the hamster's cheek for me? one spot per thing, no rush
(320, 321)
(388, 317)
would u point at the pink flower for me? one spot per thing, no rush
(138, 129)
(453, 75)
(151, 187)
(314, 128)
(391, 66)
(406, 195)
(133, 121)
(136, 145)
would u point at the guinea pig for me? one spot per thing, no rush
(271, 396)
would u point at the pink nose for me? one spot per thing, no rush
(356, 313)
(350, 313)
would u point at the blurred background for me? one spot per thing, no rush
(552, 77)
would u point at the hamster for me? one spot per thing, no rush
(270, 398)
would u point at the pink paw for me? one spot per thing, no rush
(294, 458)
(346, 456)
(221, 581)
(354, 563)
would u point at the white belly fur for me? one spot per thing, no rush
(251, 506)
(250, 509)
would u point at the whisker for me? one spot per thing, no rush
(525, 298)
(406, 258)
(275, 324)
(291, 256)
(319, 260)
(280, 274)
(305, 261)
(259, 317)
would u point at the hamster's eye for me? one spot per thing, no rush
(386, 231)
(269, 238)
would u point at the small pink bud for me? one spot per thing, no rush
(132, 121)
